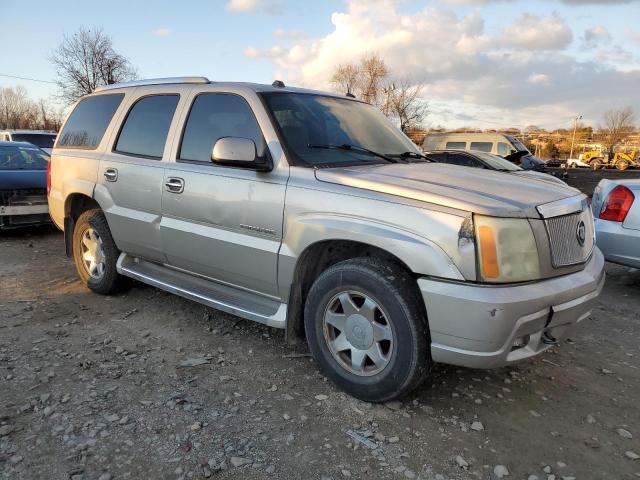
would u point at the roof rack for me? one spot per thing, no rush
(153, 81)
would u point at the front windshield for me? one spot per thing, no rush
(306, 120)
(494, 161)
(22, 158)
(519, 146)
(42, 140)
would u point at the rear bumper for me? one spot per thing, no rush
(476, 326)
(618, 244)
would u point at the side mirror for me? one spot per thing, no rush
(238, 152)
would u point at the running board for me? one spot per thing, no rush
(221, 297)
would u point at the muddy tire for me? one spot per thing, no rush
(595, 164)
(367, 328)
(95, 254)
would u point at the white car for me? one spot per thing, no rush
(616, 210)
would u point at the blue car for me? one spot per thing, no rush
(23, 185)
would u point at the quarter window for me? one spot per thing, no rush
(144, 132)
(214, 116)
(456, 145)
(482, 146)
(86, 125)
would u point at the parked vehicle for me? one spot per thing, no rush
(311, 212)
(616, 208)
(23, 194)
(43, 139)
(496, 143)
(472, 158)
(600, 158)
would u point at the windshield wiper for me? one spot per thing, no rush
(414, 155)
(355, 148)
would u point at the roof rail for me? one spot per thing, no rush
(153, 81)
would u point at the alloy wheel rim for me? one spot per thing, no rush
(93, 257)
(358, 333)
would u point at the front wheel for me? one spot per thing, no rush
(95, 253)
(366, 326)
(595, 164)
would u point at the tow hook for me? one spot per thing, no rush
(549, 339)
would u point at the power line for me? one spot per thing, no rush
(26, 78)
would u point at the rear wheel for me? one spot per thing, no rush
(366, 327)
(595, 164)
(95, 253)
(622, 164)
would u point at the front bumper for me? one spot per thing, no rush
(476, 325)
(618, 244)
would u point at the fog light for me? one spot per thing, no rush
(520, 342)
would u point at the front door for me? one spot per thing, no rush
(224, 223)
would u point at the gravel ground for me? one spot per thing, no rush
(147, 385)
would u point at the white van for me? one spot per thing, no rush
(496, 143)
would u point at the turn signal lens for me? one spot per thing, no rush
(618, 204)
(488, 253)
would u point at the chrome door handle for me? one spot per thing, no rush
(111, 175)
(174, 185)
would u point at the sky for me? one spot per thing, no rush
(482, 63)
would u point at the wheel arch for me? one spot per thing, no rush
(315, 259)
(75, 204)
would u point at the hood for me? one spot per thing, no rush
(543, 177)
(23, 179)
(470, 189)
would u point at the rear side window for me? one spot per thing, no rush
(456, 145)
(214, 116)
(462, 160)
(86, 125)
(144, 132)
(482, 146)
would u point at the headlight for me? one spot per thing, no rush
(506, 249)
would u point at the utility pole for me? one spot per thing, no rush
(573, 138)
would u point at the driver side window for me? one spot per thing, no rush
(214, 116)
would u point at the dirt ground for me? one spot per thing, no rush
(95, 387)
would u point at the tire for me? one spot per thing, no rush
(595, 164)
(404, 360)
(105, 280)
(622, 165)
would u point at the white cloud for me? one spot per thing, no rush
(532, 32)
(161, 32)
(479, 76)
(253, 6)
(595, 35)
(539, 79)
(565, 2)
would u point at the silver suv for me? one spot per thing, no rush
(310, 212)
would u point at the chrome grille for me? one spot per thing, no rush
(563, 238)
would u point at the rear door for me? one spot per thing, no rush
(224, 223)
(131, 175)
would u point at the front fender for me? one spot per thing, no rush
(420, 254)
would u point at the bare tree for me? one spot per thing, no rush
(373, 73)
(86, 60)
(347, 78)
(17, 110)
(403, 101)
(617, 125)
